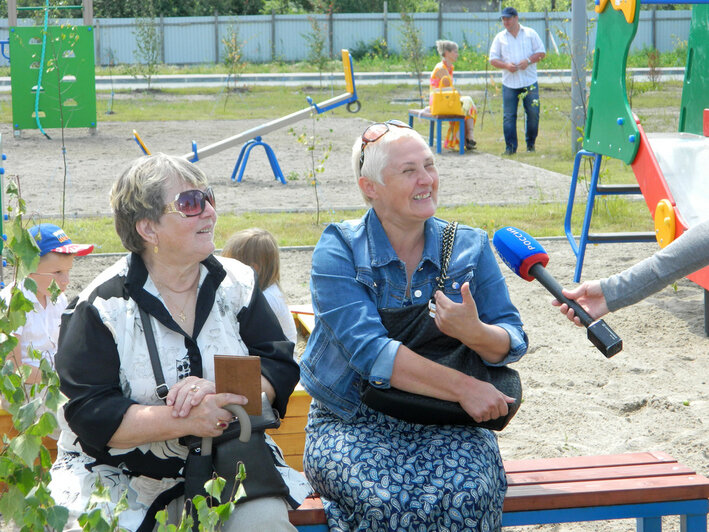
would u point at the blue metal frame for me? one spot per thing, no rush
(244, 157)
(692, 514)
(593, 191)
(2, 49)
(351, 99)
(438, 122)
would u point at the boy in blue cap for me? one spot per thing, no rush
(41, 330)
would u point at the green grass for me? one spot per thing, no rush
(300, 229)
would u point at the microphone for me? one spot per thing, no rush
(527, 258)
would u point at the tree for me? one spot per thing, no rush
(412, 49)
(317, 46)
(147, 42)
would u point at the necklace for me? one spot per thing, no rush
(181, 314)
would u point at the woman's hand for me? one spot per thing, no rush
(209, 418)
(483, 402)
(456, 319)
(590, 296)
(462, 322)
(187, 393)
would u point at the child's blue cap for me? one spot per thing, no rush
(50, 237)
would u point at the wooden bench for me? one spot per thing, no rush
(644, 486)
(438, 120)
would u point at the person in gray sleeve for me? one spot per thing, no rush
(687, 254)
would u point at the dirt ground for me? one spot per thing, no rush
(653, 396)
(95, 161)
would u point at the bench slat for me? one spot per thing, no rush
(598, 473)
(605, 492)
(311, 512)
(577, 462)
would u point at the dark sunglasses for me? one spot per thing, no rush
(190, 202)
(376, 131)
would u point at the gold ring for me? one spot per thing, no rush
(221, 425)
(194, 388)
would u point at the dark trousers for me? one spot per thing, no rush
(510, 102)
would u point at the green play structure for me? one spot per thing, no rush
(52, 73)
(611, 129)
(670, 168)
(696, 76)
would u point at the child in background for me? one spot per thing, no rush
(258, 248)
(41, 330)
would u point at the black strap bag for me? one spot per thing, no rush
(243, 441)
(414, 327)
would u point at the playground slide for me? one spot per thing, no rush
(672, 170)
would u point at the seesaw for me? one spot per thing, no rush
(254, 136)
(672, 169)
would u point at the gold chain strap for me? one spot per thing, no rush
(446, 252)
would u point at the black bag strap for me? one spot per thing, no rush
(160, 387)
(446, 252)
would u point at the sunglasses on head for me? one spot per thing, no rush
(376, 131)
(190, 202)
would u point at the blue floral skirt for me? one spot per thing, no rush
(376, 472)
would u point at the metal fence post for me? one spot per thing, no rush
(440, 22)
(97, 42)
(385, 16)
(162, 39)
(216, 36)
(578, 73)
(546, 29)
(654, 28)
(11, 13)
(273, 34)
(330, 20)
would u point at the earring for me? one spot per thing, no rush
(155, 249)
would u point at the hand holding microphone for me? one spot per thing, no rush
(527, 258)
(590, 296)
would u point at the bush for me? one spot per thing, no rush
(375, 49)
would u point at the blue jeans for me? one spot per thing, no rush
(530, 100)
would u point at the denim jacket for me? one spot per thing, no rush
(356, 271)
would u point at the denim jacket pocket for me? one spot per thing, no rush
(455, 280)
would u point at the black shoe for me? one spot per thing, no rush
(470, 144)
(531, 149)
(508, 152)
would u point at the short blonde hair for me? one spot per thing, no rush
(257, 248)
(445, 46)
(139, 193)
(376, 154)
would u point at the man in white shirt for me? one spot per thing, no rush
(516, 50)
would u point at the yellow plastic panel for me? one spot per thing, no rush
(665, 222)
(626, 6)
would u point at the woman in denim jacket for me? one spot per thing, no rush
(375, 472)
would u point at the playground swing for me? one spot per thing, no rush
(254, 136)
(672, 170)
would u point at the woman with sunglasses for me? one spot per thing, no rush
(123, 424)
(376, 472)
